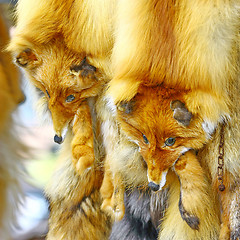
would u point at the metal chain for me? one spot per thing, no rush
(221, 186)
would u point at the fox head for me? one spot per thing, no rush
(63, 79)
(160, 123)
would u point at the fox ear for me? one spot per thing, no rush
(84, 69)
(180, 112)
(27, 59)
(126, 107)
(84, 73)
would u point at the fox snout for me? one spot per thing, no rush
(58, 139)
(60, 122)
(154, 187)
(158, 183)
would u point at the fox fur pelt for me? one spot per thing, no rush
(75, 201)
(143, 214)
(193, 48)
(85, 26)
(186, 46)
(84, 29)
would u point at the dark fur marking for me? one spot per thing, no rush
(191, 220)
(40, 93)
(136, 223)
(126, 107)
(25, 57)
(180, 112)
(158, 205)
(85, 67)
(235, 235)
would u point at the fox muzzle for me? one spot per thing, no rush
(58, 139)
(154, 187)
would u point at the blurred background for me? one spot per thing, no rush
(37, 135)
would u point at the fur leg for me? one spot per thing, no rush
(193, 186)
(107, 190)
(75, 211)
(118, 198)
(197, 203)
(112, 191)
(225, 202)
(83, 158)
(82, 143)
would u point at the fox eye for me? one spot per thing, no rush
(145, 139)
(170, 141)
(39, 92)
(48, 93)
(70, 98)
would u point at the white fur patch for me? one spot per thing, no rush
(109, 130)
(110, 105)
(185, 149)
(208, 128)
(64, 132)
(163, 179)
(133, 140)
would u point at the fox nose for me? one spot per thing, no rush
(155, 187)
(58, 139)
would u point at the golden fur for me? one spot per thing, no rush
(185, 45)
(75, 201)
(141, 156)
(193, 48)
(64, 79)
(84, 25)
(164, 41)
(65, 47)
(208, 156)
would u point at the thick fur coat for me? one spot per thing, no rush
(139, 156)
(75, 201)
(64, 47)
(174, 71)
(193, 48)
(64, 80)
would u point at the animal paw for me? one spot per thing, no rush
(106, 206)
(83, 163)
(115, 210)
(119, 211)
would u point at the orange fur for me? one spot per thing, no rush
(75, 201)
(84, 25)
(55, 37)
(185, 45)
(49, 53)
(209, 154)
(141, 156)
(11, 93)
(182, 44)
(82, 143)
(112, 192)
(139, 118)
(65, 91)
(192, 47)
